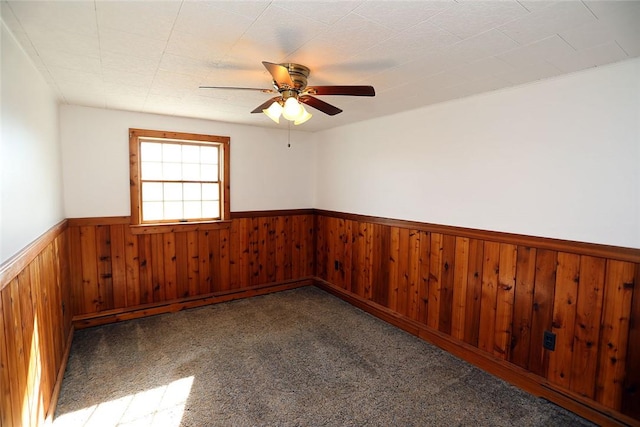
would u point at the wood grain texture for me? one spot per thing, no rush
(122, 270)
(35, 320)
(498, 294)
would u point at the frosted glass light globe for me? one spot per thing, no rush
(292, 109)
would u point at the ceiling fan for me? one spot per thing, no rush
(290, 83)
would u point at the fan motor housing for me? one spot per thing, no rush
(299, 74)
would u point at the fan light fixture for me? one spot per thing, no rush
(292, 110)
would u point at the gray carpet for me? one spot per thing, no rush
(295, 358)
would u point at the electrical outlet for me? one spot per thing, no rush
(549, 340)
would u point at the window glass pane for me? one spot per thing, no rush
(191, 172)
(190, 154)
(209, 155)
(192, 191)
(150, 152)
(172, 191)
(192, 210)
(173, 210)
(151, 211)
(172, 152)
(151, 191)
(210, 210)
(172, 171)
(210, 192)
(151, 170)
(209, 172)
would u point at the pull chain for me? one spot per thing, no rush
(289, 135)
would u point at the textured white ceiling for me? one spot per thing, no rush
(151, 56)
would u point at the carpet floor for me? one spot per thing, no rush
(295, 358)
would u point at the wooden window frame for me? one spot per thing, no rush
(139, 227)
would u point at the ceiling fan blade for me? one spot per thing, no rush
(320, 105)
(238, 88)
(279, 73)
(341, 90)
(265, 105)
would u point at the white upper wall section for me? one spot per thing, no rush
(30, 177)
(559, 158)
(265, 173)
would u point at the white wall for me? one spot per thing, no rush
(265, 173)
(30, 183)
(558, 158)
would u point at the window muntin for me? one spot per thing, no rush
(178, 178)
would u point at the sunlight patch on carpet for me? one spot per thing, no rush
(160, 406)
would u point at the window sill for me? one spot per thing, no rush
(177, 227)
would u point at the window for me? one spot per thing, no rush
(178, 178)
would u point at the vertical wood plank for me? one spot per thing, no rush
(234, 254)
(618, 290)
(447, 269)
(27, 320)
(403, 272)
(309, 224)
(215, 261)
(522, 306)
(225, 265)
(132, 263)
(423, 291)
(460, 274)
(270, 225)
(254, 251)
(6, 397)
(193, 258)
(504, 300)
(90, 285)
(587, 326)
(631, 389)
(490, 279)
(357, 259)
(564, 316)
(413, 285)
(394, 255)
(380, 273)
(182, 265)
(542, 310)
(146, 281)
(474, 292)
(105, 277)
(46, 346)
(280, 248)
(170, 268)
(205, 255)
(262, 248)
(157, 268)
(75, 271)
(118, 266)
(435, 263)
(15, 351)
(295, 247)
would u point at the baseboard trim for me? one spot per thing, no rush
(511, 373)
(55, 394)
(119, 315)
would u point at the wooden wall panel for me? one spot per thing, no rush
(631, 386)
(35, 325)
(120, 271)
(500, 293)
(523, 306)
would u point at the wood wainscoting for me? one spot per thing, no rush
(118, 275)
(486, 297)
(489, 297)
(36, 330)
